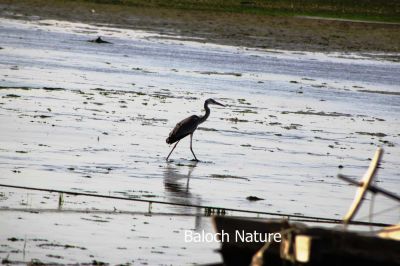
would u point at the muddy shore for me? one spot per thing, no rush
(249, 30)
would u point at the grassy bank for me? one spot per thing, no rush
(265, 25)
(376, 10)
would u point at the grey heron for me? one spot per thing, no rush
(187, 127)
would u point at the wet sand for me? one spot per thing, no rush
(83, 116)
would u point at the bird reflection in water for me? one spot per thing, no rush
(177, 188)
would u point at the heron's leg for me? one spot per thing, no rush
(191, 138)
(172, 150)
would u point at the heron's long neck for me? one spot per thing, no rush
(207, 114)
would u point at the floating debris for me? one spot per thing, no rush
(380, 135)
(381, 92)
(229, 176)
(206, 129)
(243, 101)
(14, 239)
(246, 111)
(321, 113)
(254, 198)
(99, 40)
(60, 245)
(53, 89)
(235, 120)
(11, 96)
(219, 73)
(42, 116)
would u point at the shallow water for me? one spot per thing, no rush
(82, 116)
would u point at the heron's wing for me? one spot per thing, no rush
(183, 128)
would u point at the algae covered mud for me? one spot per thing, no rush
(93, 117)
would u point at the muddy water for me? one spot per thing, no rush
(88, 117)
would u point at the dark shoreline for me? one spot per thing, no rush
(236, 29)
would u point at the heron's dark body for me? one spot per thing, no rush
(183, 128)
(187, 127)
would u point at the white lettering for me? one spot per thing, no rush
(191, 236)
(188, 236)
(277, 237)
(242, 236)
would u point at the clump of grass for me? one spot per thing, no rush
(379, 10)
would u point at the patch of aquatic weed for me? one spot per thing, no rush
(387, 143)
(95, 220)
(292, 126)
(235, 119)
(47, 89)
(106, 92)
(54, 256)
(243, 101)
(3, 196)
(150, 121)
(381, 92)
(378, 134)
(219, 73)
(97, 262)
(66, 246)
(53, 89)
(15, 88)
(143, 70)
(157, 95)
(228, 176)
(11, 95)
(321, 113)
(246, 111)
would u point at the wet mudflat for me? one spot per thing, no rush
(93, 117)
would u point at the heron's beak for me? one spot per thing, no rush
(217, 103)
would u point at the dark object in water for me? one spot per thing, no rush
(99, 40)
(253, 198)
